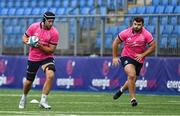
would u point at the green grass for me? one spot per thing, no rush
(82, 103)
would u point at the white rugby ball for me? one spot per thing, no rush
(33, 40)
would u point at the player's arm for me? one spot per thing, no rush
(28, 33)
(47, 49)
(115, 45)
(151, 49)
(25, 39)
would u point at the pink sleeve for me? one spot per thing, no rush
(55, 38)
(122, 35)
(30, 30)
(149, 37)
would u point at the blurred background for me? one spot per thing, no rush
(84, 57)
(88, 27)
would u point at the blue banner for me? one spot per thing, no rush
(158, 76)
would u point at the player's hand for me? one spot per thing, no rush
(139, 57)
(116, 61)
(38, 45)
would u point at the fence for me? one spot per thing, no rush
(84, 35)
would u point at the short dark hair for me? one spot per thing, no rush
(138, 19)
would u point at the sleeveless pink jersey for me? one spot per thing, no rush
(46, 37)
(134, 43)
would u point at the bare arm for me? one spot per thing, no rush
(115, 44)
(25, 39)
(47, 49)
(150, 50)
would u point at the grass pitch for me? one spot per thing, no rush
(83, 103)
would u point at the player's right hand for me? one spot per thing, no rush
(115, 61)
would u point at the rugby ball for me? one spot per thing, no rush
(33, 40)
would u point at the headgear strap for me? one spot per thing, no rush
(48, 15)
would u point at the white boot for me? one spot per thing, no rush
(44, 105)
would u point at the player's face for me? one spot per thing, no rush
(49, 23)
(137, 26)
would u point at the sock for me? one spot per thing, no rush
(43, 98)
(121, 90)
(24, 96)
(133, 99)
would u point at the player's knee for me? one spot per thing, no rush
(30, 76)
(132, 76)
(49, 74)
(28, 83)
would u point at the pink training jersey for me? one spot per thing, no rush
(46, 37)
(134, 43)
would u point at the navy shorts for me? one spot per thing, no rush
(33, 67)
(127, 60)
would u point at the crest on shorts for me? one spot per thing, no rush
(126, 62)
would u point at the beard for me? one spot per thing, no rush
(48, 27)
(136, 30)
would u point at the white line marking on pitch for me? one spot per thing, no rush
(68, 95)
(174, 101)
(70, 113)
(110, 102)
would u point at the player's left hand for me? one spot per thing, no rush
(116, 61)
(139, 57)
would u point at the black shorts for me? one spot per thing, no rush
(127, 60)
(33, 66)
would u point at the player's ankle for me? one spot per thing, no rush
(121, 90)
(43, 98)
(133, 98)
